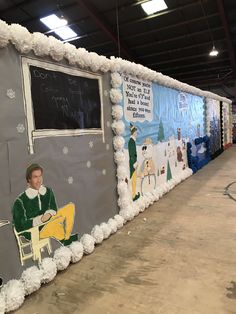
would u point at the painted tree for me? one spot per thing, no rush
(169, 175)
(161, 135)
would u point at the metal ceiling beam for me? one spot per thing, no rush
(227, 34)
(163, 41)
(195, 64)
(156, 30)
(168, 11)
(181, 59)
(102, 24)
(178, 49)
(200, 70)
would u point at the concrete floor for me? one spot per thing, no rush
(179, 256)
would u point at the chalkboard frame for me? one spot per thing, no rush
(34, 133)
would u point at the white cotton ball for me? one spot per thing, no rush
(155, 195)
(119, 157)
(88, 243)
(122, 189)
(119, 221)
(62, 257)
(14, 294)
(146, 200)
(94, 61)
(105, 64)
(135, 208)
(4, 34)
(124, 202)
(116, 80)
(122, 172)
(21, 38)
(97, 234)
(127, 214)
(112, 224)
(118, 142)
(82, 58)
(117, 112)
(2, 303)
(56, 48)
(70, 53)
(115, 95)
(118, 127)
(115, 66)
(31, 279)
(77, 251)
(49, 269)
(106, 230)
(40, 44)
(141, 203)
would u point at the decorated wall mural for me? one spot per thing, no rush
(59, 105)
(227, 124)
(159, 122)
(213, 125)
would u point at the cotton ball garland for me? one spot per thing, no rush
(122, 188)
(31, 279)
(97, 234)
(49, 269)
(77, 251)
(116, 80)
(118, 142)
(121, 172)
(62, 257)
(118, 127)
(2, 303)
(14, 294)
(112, 224)
(88, 243)
(40, 44)
(115, 95)
(21, 38)
(119, 157)
(4, 34)
(70, 53)
(119, 221)
(117, 112)
(56, 48)
(124, 202)
(106, 230)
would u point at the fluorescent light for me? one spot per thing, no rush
(53, 21)
(154, 6)
(65, 32)
(213, 52)
(58, 26)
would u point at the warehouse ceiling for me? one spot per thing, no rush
(175, 41)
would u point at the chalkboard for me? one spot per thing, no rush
(63, 101)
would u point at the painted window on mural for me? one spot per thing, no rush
(61, 101)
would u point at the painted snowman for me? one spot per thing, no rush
(147, 171)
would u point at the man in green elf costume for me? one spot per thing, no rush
(36, 206)
(133, 164)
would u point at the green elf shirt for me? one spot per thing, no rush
(132, 155)
(30, 206)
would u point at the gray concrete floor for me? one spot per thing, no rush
(179, 256)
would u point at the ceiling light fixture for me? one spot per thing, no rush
(58, 26)
(213, 52)
(154, 6)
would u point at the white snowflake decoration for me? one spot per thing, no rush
(70, 180)
(91, 144)
(20, 128)
(107, 146)
(88, 164)
(108, 124)
(104, 172)
(10, 93)
(65, 150)
(105, 93)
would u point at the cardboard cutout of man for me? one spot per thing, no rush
(133, 164)
(36, 206)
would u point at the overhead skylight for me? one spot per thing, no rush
(58, 25)
(154, 6)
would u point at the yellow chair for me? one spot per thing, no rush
(33, 246)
